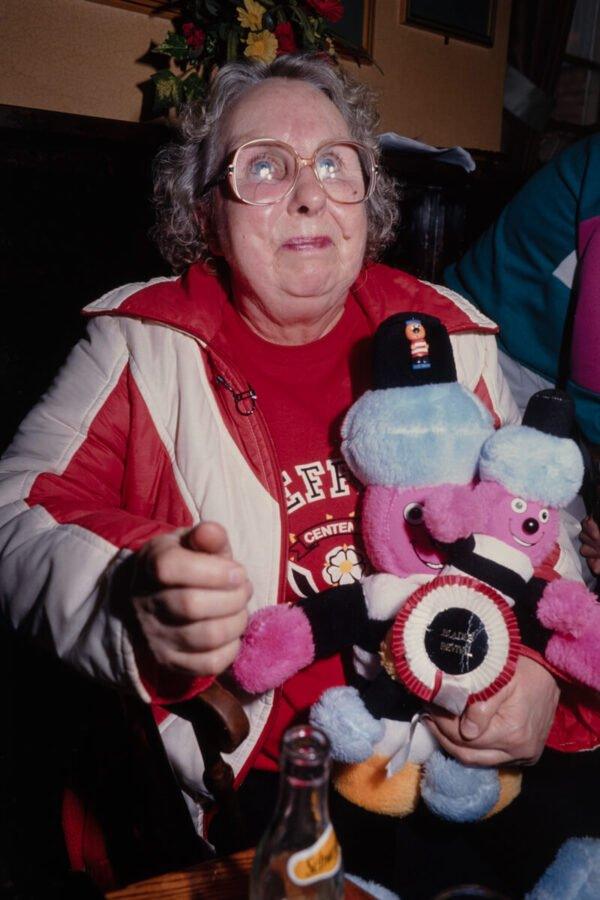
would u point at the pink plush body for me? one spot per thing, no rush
(394, 532)
(488, 508)
(277, 643)
(573, 612)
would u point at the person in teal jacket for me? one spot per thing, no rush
(536, 272)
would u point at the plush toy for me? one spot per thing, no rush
(416, 432)
(573, 875)
(415, 441)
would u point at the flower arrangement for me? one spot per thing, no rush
(208, 33)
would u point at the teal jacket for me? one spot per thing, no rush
(536, 272)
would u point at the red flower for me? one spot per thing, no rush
(332, 10)
(285, 38)
(194, 36)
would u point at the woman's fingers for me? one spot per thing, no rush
(590, 529)
(208, 537)
(169, 564)
(179, 606)
(195, 637)
(465, 753)
(511, 727)
(590, 544)
(190, 598)
(211, 662)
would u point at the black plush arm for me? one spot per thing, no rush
(338, 618)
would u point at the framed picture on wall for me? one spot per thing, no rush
(469, 20)
(356, 26)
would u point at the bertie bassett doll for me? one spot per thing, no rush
(416, 431)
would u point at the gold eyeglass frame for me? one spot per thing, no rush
(301, 162)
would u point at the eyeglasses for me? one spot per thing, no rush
(265, 171)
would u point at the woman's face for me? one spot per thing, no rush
(291, 262)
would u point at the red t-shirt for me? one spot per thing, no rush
(304, 392)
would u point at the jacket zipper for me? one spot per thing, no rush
(246, 404)
(240, 397)
(249, 397)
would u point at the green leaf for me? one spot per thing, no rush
(232, 45)
(173, 45)
(210, 44)
(212, 7)
(307, 31)
(194, 88)
(168, 90)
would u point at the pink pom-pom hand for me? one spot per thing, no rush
(566, 606)
(573, 612)
(451, 512)
(277, 643)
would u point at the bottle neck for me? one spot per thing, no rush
(304, 798)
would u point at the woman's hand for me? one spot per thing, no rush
(510, 727)
(590, 544)
(190, 600)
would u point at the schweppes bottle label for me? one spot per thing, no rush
(320, 861)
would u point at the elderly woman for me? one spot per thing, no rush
(184, 469)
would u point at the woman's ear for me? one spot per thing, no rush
(212, 237)
(213, 245)
(205, 218)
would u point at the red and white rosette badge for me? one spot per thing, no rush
(454, 642)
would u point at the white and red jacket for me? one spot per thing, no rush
(141, 433)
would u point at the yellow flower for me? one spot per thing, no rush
(262, 46)
(251, 17)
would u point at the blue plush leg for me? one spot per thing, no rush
(351, 729)
(574, 874)
(456, 792)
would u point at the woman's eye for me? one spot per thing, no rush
(518, 505)
(265, 169)
(544, 515)
(413, 513)
(328, 166)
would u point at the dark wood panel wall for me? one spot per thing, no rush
(75, 224)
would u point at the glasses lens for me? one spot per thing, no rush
(264, 172)
(345, 172)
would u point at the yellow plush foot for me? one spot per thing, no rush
(510, 787)
(367, 784)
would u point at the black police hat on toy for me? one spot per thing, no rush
(537, 460)
(412, 349)
(551, 411)
(417, 426)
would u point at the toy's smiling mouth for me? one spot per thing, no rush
(427, 562)
(520, 540)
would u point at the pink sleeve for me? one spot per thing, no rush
(585, 359)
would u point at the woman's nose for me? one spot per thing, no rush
(308, 195)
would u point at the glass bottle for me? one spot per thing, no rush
(299, 856)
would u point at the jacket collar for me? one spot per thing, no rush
(194, 303)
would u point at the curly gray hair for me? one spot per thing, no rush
(183, 169)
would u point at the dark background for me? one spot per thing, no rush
(76, 216)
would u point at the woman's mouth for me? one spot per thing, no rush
(319, 242)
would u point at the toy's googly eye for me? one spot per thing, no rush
(543, 516)
(413, 513)
(518, 505)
